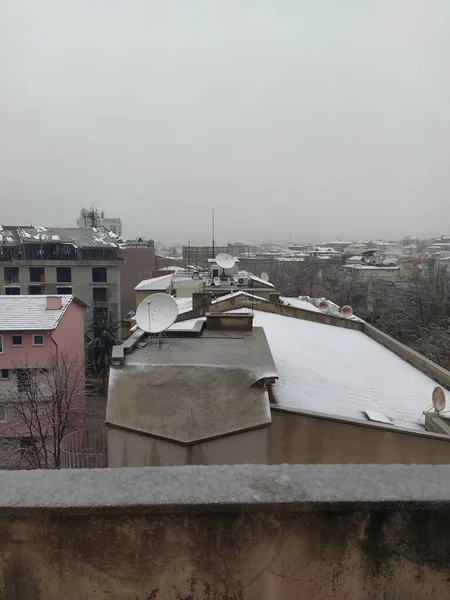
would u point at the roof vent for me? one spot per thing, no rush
(54, 303)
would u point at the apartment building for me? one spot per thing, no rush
(41, 352)
(37, 260)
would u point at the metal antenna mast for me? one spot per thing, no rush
(213, 241)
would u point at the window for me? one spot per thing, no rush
(2, 413)
(64, 291)
(4, 373)
(23, 379)
(63, 274)
(37, 274)
(99, 294)
(99, 275)
(38, 340)
(41, 410)
(12, 291)
(35, 290)
(1, 344)
(16, 340)
(11, 274)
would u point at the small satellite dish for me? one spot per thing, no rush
(324, 305)
(264, 276)
(438, 399)
(156, 313)
(226, 261)
(216, 281)
(347, 311)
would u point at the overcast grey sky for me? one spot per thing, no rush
(319, 118)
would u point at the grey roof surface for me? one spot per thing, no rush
(243, 487)
(193, 388)
(24, 313)
(81, 237)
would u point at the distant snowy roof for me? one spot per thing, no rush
(82, 237)
(259, 280)
(155, 283)
(342, 372)
(25, 313)
(371, 267)
(236, 295)
(300, 303)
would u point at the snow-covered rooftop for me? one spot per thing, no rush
(342, 372)
(24, 313)
(155, 283)
(299, 303)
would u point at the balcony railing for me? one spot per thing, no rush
(85, 449)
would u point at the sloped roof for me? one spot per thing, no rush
(29, 313)
(155, 283)
(195, 389)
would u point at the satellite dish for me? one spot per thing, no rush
(264, 276)
(226, 261)
(324, 305)
(438, 399)
(216, 281)
(347, 311)
(156, 313)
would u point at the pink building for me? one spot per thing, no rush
(42, 381)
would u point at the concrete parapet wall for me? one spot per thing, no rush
(279, 309)
(226, 533)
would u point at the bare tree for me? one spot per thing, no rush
(44, 406)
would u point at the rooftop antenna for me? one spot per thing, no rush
(213, 240)
(155, 314)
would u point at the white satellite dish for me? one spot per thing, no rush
(264, 276)
(226, 261)
(216, 281)
(438, 399)
(156, 313)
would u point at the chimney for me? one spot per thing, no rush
(274, 297)
(229, 321)
(54, 303)
(201, 299)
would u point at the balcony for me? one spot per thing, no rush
(85, 449)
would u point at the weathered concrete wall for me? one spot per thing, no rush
(247, 533)
(131, 449)
(296, 438)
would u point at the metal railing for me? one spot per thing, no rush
(85, 449)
